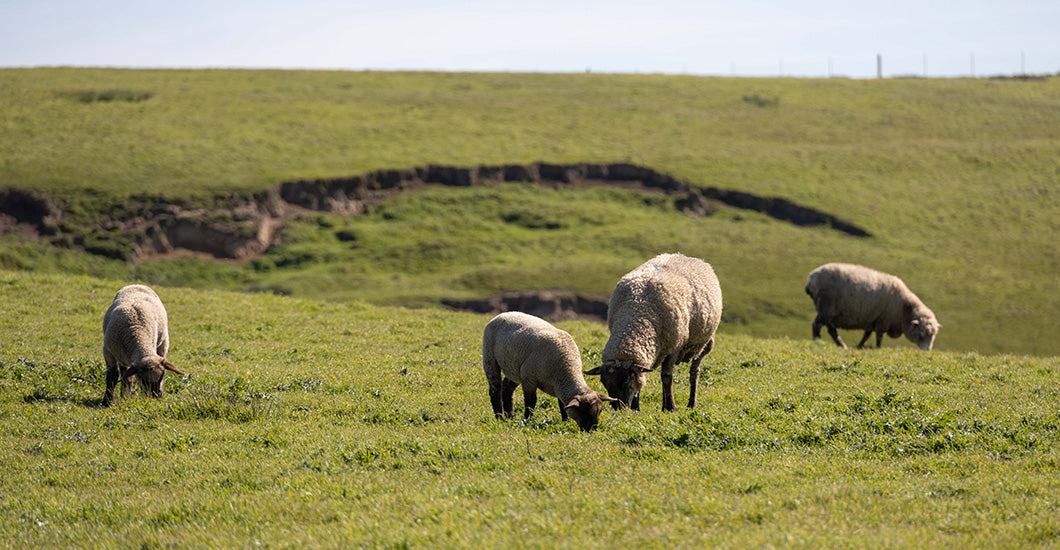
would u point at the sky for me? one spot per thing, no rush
(765, 38)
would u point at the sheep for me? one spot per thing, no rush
(135, 342)
(518, 348)
(662, 313)
(852, 296)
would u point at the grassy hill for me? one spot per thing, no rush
(319, 423)
(955, 179)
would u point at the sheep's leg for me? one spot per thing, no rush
(529, 400)
(508, 397)
(635, 402)
(822, 305)
(668, 383)
(495, 401)
(496, 382)
(693, 374)
(668, 392)
(112, 379)
(563, 412)
(835, 336)
(879, 339)
(817, 324)
(127, 383)
(865, 338)
(693, 381)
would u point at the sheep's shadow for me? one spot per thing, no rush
(40, 395)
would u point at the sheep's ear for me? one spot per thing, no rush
(572, 405)
(595, 372)
(641, 369)
(169, 366)
(916, 322)
(606, 398)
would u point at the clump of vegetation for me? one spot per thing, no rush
(760, 101)
(105, 96)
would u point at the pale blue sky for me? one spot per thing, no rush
(767, 38)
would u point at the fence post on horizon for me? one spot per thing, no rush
(879, 66)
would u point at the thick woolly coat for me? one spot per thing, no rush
(135, 327)
(850, 296)
(669, 306)
(530, 351)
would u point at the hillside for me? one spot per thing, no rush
(952, 179)
(324, 424)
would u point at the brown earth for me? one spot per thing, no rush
(551, 305)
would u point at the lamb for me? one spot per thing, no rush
(135, 342)
(518, 348)
(852, 296)
(662, 313)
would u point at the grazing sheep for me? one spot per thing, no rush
(522, 349)
(851, 296)
(135, 342)
(662, 313)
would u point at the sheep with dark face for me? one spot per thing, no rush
(662, 313)
(852, 296)
(518, 348)
(135, 342)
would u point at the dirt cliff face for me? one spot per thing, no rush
(26, 212)
(551, 305)
(243, 227)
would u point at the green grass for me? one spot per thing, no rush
(955, 178)
(312, 423)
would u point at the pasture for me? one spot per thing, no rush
(954, 178)
(332, 401)
(345, 424)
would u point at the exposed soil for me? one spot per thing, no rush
(551, 305)
(238, 228)
(26, 212)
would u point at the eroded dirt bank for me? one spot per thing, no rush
(243, 227)
(551, 305)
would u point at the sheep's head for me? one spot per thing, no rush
(623, 382)
(151, 373)
(922, 331)
(585, 409)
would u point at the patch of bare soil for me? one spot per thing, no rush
(26, 212)
(551, 305)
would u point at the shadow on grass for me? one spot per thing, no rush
(44, 395)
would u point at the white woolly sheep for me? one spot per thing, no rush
(852, 296)
(662, 313)
(518, 348)
(135, 342)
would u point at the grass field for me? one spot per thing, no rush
(955, 179)
(312, 423)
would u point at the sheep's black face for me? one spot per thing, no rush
(922, 332)
(586, 412)
(585, 409)
(151, 381)
(622, 383)
(148, 374)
